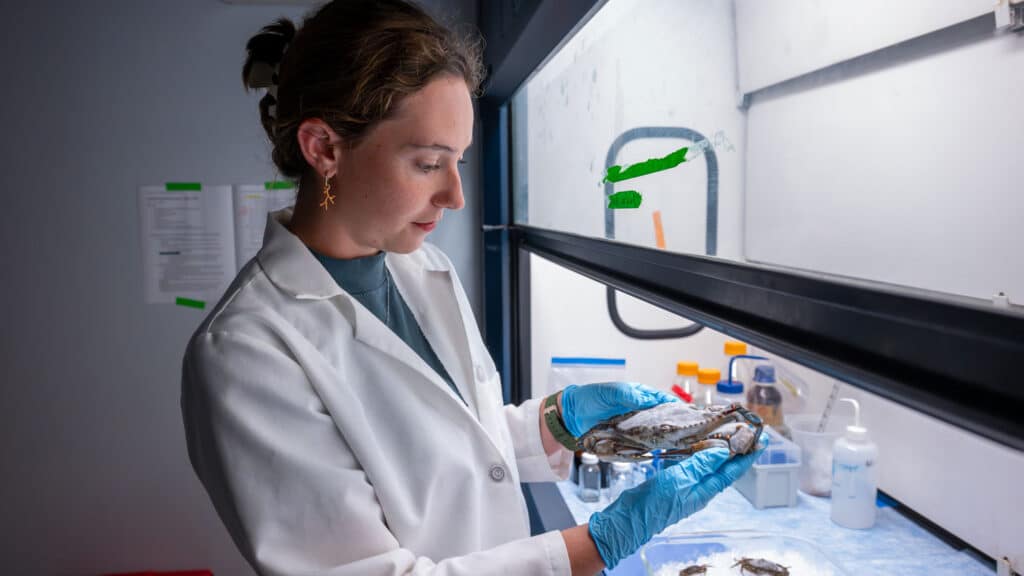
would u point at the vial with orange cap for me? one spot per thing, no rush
(707, 379)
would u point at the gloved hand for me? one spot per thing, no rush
(587, 405)
(671, 495)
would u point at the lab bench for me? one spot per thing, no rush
(895, 545)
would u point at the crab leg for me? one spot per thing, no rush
(618, 449)
(752, 418)
(754, 421)
(714, 441)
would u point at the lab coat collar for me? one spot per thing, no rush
(294, 269)
(423, 277)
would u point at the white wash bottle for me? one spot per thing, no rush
(854, 475)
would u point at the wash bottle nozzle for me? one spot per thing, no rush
(855, 432)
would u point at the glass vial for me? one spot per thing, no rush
(685, 384)
(643, 470)
(707, 379)
(589, 478)
(621, 479)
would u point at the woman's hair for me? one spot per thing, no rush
(350, 64)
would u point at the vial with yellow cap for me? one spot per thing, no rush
(707, 379)
(685, 385)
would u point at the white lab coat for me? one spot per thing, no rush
(329, 447)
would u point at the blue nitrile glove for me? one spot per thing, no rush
(589, 404)
(671, 495)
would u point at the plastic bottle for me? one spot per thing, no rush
(726, 393)
(707, 379)
(589, 478)
(764, 397)
(621, 479)
(685, 385)
(854, 475)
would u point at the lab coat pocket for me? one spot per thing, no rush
(491, 413)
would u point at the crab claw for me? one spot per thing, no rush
(743, 440)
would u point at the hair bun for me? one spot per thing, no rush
(265, 52)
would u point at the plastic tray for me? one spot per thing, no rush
(773, 479)
(667, 555)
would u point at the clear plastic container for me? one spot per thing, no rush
(774, 477)
(578, 370)
(795, 391)
(589, 485)
(620, 479)
(816, 449)
(667, 555)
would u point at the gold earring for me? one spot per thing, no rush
(328, 197)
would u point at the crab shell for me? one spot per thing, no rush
(677, 429)
(761, 566)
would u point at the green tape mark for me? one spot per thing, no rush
(278, 185)
(617, 174)
(190, 303)
(183, 186)
(625, 199)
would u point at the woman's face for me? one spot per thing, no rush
(393, 187)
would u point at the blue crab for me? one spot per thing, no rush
(761, 566)
(677, 429)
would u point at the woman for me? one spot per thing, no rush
(340, 406)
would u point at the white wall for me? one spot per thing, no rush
(102, 97)
(783, 39)
(569, 317)
(898, 168)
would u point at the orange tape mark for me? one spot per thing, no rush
(659, 230)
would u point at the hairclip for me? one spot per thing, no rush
(264, 75)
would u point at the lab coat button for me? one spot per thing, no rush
(481, 372)
(497, 473)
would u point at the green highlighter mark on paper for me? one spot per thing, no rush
(278, 185)
(184, 187)
(617, 174)
(199, 304)
(625, 199)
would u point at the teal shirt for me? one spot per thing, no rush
(368, 280)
